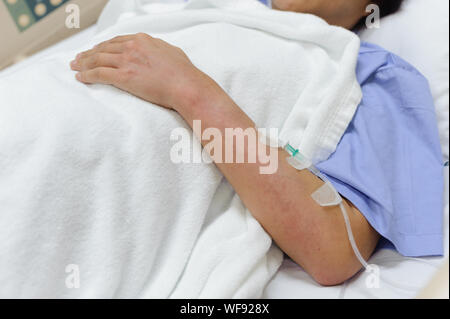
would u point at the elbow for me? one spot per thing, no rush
(328, 277)
(328, 255)
(318, 242)
(333, 268)
(331, 262)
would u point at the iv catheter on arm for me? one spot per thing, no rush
(326, 195)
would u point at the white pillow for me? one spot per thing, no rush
(419, 34)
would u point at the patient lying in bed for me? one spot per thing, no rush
(386, 193)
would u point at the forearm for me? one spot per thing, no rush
(282, 201)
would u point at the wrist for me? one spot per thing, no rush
(198, 90)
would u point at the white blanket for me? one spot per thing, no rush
(91, 204)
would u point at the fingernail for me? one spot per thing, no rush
(78, 76)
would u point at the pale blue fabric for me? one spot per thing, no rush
(266, 2)
(389, 161)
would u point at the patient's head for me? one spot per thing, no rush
(344, 13)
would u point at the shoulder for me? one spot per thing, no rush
(379, 70)
(373, 59)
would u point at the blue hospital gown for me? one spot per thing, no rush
(389, 161)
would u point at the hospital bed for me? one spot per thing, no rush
(400, 277)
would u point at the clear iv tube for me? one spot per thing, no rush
(351, 237)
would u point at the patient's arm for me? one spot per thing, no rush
(313, 236)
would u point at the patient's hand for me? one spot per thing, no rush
(144, 66)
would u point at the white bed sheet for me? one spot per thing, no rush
(401, 277)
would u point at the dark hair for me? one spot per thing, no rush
(387, 7)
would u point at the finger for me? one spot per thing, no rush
(98, 75)
(107, 47)
(104, 47)
(95, 61)
(113, 45)
(118, 39)
(123, 38)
